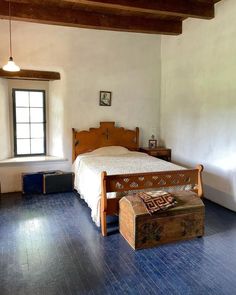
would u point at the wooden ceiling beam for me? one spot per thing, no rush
(30, 75)
(181, 8)
(85, 19)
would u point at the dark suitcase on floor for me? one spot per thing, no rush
(32, 183)
(58, 182)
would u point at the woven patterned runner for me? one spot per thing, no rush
(157, 200)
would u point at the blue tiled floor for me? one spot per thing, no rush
(48, 245)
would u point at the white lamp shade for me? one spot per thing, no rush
(11, 66)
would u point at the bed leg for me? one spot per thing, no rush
(103, 205)
(104, 223)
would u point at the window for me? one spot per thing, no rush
(29, 122)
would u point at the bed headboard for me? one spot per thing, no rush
(105, 135)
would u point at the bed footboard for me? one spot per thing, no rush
(141, 181)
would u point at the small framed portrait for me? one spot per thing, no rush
(152, 143)
(105, 98)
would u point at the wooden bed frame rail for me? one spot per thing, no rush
(141, 181)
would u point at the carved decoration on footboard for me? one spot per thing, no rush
(140, 181)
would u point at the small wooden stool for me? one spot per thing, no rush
(142, 230)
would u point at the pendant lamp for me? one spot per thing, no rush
(10, 66)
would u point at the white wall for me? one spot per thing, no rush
(4, 121)
(198, 104)
(127, 64)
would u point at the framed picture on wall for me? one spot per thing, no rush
(152, 143)
(105, 98)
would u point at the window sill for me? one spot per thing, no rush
(29, 160)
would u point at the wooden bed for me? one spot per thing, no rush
(110, 135)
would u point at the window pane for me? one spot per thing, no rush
(22, 131)
(37, 146)
(36, 115)
(37, 131)
(36, 99)
(22, 115)
(23, 146)
(22, 98)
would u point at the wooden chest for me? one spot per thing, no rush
(142, 230)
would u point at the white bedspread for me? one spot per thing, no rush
(88, 168)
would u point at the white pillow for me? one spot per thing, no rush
(110, 151)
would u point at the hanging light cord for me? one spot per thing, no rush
(10, 66)
(10, 27)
